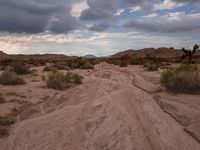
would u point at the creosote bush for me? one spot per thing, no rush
(183, 79)
(10, 78)
(60, 81)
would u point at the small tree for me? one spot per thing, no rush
(189, 53)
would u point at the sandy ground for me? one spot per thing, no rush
(114, 109)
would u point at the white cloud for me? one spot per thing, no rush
(167, 4)
(119, 12)
(78, 43)
(151, 15)
(135, 9)
(78, 8)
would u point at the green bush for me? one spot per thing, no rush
(10, 78)
(21, 69)
(60, 81)
(6, 120)
(184, 79)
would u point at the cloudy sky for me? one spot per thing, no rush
(100, 27)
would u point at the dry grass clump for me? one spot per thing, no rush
(60, 81)
(183, 79)
(10, 78)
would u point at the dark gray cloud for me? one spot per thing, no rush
(187, 1)
(64, 23)
(100, 27)
(33, 16)
(99, 9)
(105, 9)
(135, 2)
(176, 22)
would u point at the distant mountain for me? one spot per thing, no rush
(89, 56)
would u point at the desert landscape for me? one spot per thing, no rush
(110, 106)
(99, 74)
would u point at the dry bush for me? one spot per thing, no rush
(88, 65)
(6, 120)
(60, 81)
(183, 79)
(2, 100)
(136, 61)
(123, 63)
(81, 63)
(21, 69)
(50, 68)
(3, 132)
(152, 67)
(10, 78)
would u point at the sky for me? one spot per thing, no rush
(99, 27)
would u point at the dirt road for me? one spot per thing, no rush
(114, 109)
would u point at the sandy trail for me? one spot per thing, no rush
(113, 110)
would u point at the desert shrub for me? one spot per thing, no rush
(187, 68)
(6, 120)
(88, 65)
(47, 68)
(183, 79)
(50, 68)
(61, 66)
(10, 78)
(36, 62)
(20, 68)
(6, 61)
(3, 132)
(61, 81)
(136, 61)
(56, 81)
(1, 98)
(123, 64)
(73, 78)
(152, 67)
